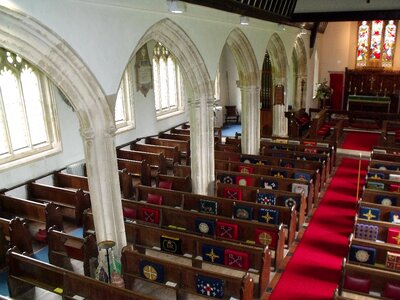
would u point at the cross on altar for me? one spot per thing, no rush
(372, 80)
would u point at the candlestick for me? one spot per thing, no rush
(384, 95)
(349, 86)
(355, 91)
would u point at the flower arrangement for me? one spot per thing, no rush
(324, 92)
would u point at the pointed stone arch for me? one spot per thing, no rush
(299, 57)
(50, 53)
(201, 100)
(249, 82)
(279, 62)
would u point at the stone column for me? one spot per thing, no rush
(105, 195)
(250, 119)
(280, 127)
(202, 145)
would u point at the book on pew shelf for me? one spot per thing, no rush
(369, 213)
(154, 199)
(393, 260)
(386, 200)
(393, 236)
(362, 254)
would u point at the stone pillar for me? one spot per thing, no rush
(202, 145)
(105, 195)
(280, 127)
(250, 119)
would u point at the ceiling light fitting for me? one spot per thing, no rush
(176, 7)
(244, 20)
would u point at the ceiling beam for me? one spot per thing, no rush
(346, 16)
(243, 9)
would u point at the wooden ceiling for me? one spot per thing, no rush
(308, 14)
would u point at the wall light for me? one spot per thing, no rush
(176, 6)
(244, 20)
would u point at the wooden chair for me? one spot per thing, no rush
(231, 113)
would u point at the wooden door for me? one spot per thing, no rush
(337, 84)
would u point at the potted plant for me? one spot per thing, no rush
(323, 94)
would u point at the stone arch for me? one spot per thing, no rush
(279, 62)
(178, 42)
(249, 82)
(49, 52)
(299, 56)
(201, 99)
(244, 57)
(277, 53)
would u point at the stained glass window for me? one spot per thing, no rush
(363, 44)
(388, 45)
(376, 43)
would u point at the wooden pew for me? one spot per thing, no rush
(178, 183)
(381, 250)
(45, 213)
(157, 161)
(227, 147)
(26, 273)
(223, 206)
(382, 228)
(284, 184)
(183, 145)
(300, 155)
(382, 184)
(15, 233)
(282, 197)
(209, 225)
(266, 170)
(368, 280)
(143, 237)
(384, 210)
(72, 203)
(302, 146)
(380, 155)
(183, 279)
(63, 246)
(172, 154)
(384, 165)
(66, 180)
(274, 161)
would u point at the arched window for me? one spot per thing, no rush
(168, 87)
(124, 102)
(28, 127)
(375, 44)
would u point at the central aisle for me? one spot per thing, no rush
(314, 270)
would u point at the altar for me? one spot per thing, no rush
(368, 103)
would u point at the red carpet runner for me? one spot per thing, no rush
(360, 141)
(314, 270)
